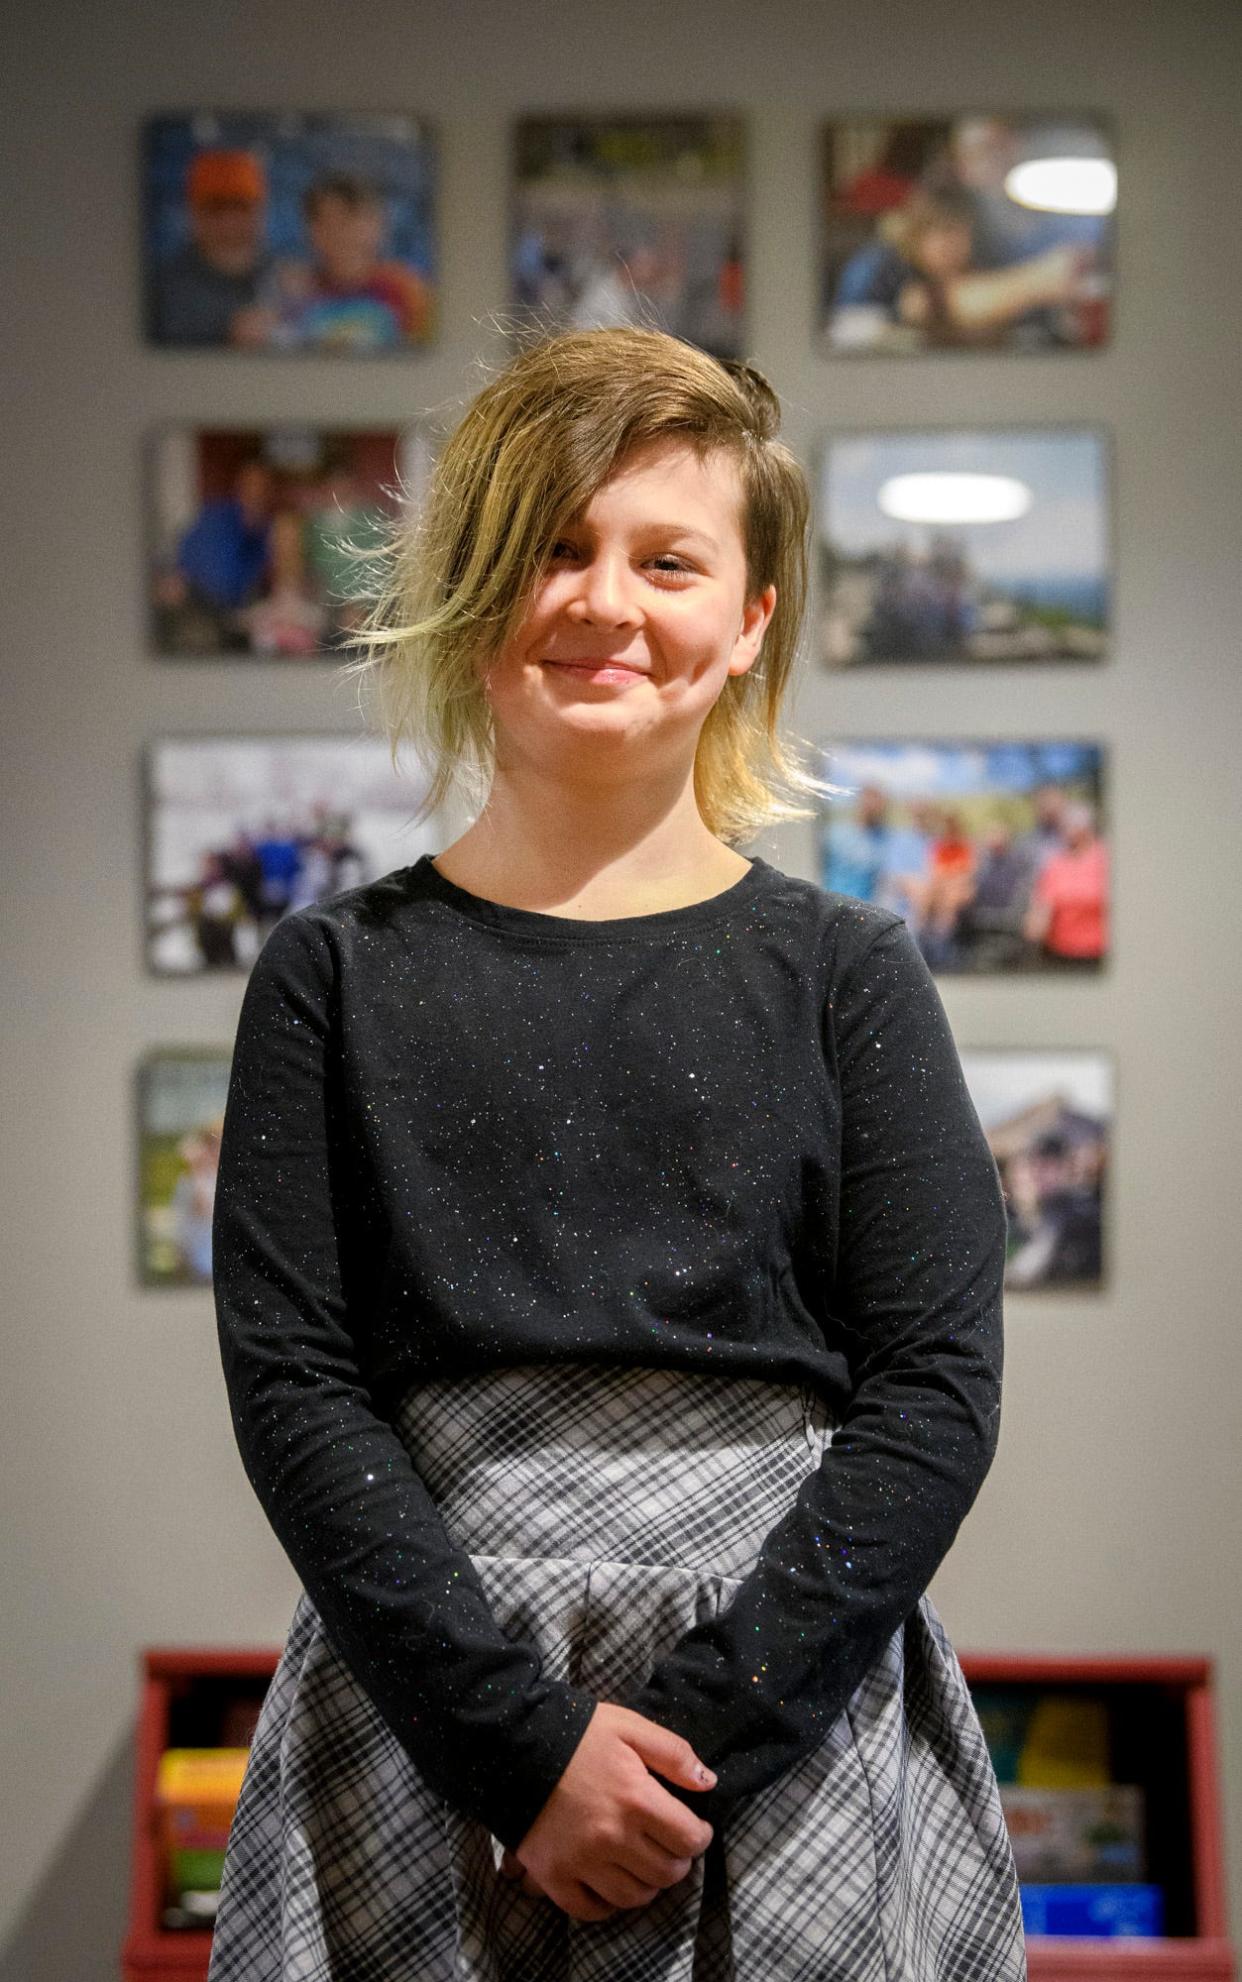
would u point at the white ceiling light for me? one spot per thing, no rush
(1064, 185)
(954, 498)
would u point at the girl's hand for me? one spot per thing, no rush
(511, 1867)
(610, 1836)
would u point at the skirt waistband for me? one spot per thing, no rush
(589, 1461)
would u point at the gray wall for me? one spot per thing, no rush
(1113, 1515)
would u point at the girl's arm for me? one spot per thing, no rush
(915, 1307)
(402, 1605)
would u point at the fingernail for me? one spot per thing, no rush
(705, 1774)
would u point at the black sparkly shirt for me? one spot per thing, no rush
(733, 1136)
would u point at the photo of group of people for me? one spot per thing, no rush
(964, 546)
(988, 544)
(242, 830)
(290, 233)
(995, 853)
(978, 232)
(259, 540)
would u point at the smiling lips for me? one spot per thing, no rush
(600, 667)
(599, 670)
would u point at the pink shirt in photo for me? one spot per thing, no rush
(1074, 884)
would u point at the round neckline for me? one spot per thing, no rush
(535, 922)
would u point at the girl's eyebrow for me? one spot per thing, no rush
(659, 530)
(682, 530)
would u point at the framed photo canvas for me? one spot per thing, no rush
(181, 1092)
(978, 232)
(996, 852)
(264, 543)
(631, 220)
(242, 829)
(1048, 1117)
(293, 232)
(969, 546)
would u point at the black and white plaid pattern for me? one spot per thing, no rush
(608, 1510)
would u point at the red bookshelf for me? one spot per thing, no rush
(184, 1691)
(1164, 1709)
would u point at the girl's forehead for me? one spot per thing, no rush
(675, 470)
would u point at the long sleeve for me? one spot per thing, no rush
(916, 1308)
(403, 1607)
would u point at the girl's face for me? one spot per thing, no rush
(639, 618)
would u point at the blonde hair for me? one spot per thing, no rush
(532, 449)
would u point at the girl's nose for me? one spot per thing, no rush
(603, 595)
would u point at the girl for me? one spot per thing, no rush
(608, 1266)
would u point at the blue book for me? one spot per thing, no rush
(1095, 1912)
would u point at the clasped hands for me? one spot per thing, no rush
(611, 1836)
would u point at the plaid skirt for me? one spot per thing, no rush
(608, 1510)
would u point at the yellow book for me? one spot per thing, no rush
(196, 1793)
(1066, 1745)
(201, 1775)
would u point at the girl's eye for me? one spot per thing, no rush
(665, 562)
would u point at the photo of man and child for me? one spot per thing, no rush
(976, 233)
(289, 233)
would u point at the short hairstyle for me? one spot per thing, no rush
(348, 187)
(532, 449)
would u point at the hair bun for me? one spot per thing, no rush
(764, 405)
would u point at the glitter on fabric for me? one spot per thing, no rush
(730, 1137)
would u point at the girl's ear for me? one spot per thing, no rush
(755, 621)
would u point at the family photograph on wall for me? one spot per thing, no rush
(964, 546)
(980, 232)
(180, 1092)
(996, 853)
(258, 539)
(290, 232)
(241, 830)
(631, 221)
(1048, 1118)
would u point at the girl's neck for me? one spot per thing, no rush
(641, 881)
